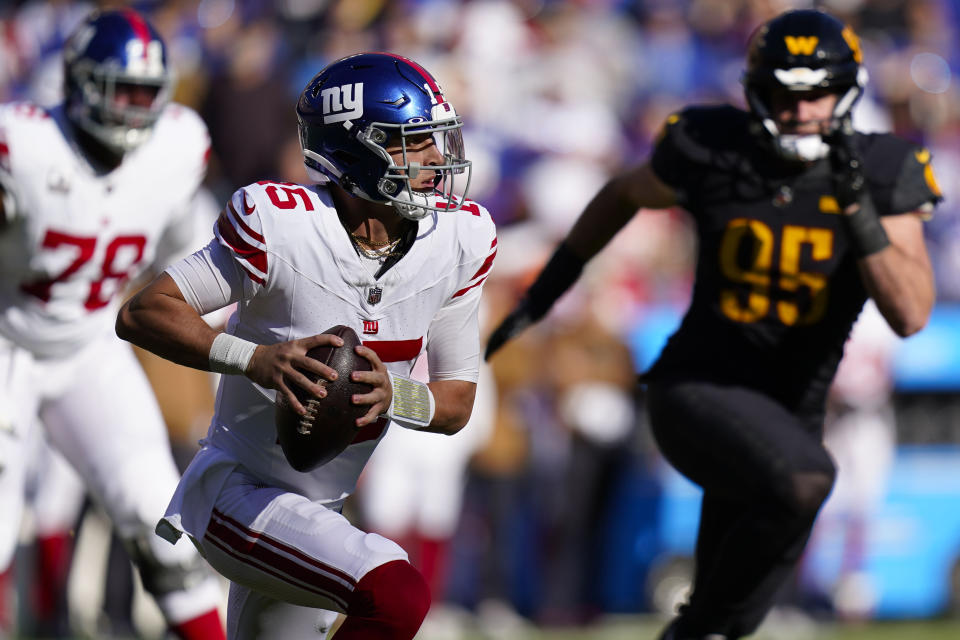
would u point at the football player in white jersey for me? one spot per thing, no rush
(95, 191)
(379, 242)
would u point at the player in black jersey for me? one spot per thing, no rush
(799, 219)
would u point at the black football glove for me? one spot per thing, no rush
(867, 235)
(847, 166)
(561, 272)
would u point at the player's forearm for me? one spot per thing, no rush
(166, 326)
(602, 218)
(454, 404)
(608, 212)
(902, 286)
(613, 207)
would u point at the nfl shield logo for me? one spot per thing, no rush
(373, 295)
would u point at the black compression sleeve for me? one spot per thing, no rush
(866, 233)
(561, 271)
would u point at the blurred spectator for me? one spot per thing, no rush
(591, 384)
(860, 433)
(247, 106)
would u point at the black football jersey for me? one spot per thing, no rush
(777, 287)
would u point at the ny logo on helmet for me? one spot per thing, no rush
(144, 59)
(342, 103)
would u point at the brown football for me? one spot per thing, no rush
(330, 423)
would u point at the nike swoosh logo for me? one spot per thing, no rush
(247, 210)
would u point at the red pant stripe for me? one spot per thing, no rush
(268, 570)
(265, 559)
(283, 547)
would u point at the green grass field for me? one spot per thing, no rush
(647, 629)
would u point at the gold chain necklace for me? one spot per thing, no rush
(375, 250)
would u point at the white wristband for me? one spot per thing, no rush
(413, 405)
(230, 354)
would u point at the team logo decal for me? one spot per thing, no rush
(342, 103)
(854, 43)
(371, 327)
(373, 297)
(144, 59)
(801, 45)
(829, 204)
(57, 183)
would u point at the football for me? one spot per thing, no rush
(329, 425)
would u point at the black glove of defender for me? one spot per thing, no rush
(847, 165)
(867, 235)
(561, 272)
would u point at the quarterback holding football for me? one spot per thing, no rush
(383, 243)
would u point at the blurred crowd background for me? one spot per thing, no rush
(553, 507)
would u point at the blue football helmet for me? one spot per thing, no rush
(108, 50)
(355, 107)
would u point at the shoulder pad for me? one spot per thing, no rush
(899, 174)
(477, 235)
(181, 127)
(239, 228)
(19, 140)
(698, 136)
(23, 111)
(285, 196)
(474, 225)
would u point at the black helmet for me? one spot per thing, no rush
(799, 51)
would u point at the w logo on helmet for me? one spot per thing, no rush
(342, 103)
(801, 45)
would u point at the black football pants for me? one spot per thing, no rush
(764, 473)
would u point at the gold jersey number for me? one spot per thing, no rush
(758, 273)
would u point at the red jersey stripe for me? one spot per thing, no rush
(245, 251)
(243, 225)
(465, 289)
(396, 350)
(253, 276)
(485, 266)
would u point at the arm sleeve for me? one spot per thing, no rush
(208, 279)
(453, 340)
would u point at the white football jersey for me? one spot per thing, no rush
(301, 276)
(77, 237)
